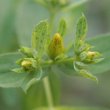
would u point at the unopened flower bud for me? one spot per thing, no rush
(56, 46)
(26, 64)
(91, 54)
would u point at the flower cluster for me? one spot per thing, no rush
(46, 51)
(28, 63)
(83, 53)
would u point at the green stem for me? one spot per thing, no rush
(51, 19)
(47, 83)
(66, 60)
(48, 93)
(46, 80)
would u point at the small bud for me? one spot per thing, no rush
(91, 55)
(56, 46)
(26, 64)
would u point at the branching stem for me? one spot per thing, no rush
(50, 62)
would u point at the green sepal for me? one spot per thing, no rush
(81, 64)
(19, 61)
(26, 51)
(83, 56)
(98, 60)
(35, 53)
(88, 75)
(84, 47)
(61, 56)
(18, 70)
(84, 73)
(62, 27)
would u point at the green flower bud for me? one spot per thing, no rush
(56, 46)
(29, 64)
(89, 57)
(26, 65)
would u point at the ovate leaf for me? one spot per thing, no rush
(84, 73)
(81, 29)
(101, 44)
(8, 78)
(39, 37)
(62, 27)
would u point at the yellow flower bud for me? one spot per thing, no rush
(56, 46)
(91, 54)
(26, 64)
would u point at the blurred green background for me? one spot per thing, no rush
(17, 19)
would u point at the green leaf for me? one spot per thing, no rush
(84, 73)
(74, 108)
(81, 29)
(65, 68)
(81, 64)
(62, 27)
(12, 79)
(79, 68)
(31, 79)
(26, 51)
(18, 70)
(40, 36)
(101, 44)
(7, 26)
(27, 15)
